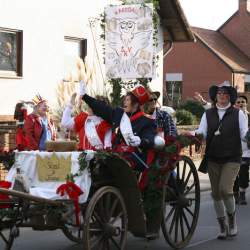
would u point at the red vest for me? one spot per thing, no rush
(101, 130)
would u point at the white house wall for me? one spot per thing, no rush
(44, 24)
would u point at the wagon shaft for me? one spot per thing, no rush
(30, 197)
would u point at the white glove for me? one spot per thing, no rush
(134, 141)
(82, 88)
(159, 142)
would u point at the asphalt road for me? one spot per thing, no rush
(204, 237)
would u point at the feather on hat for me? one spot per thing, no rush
(38, 99)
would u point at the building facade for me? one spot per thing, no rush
(216, 56)
(40, 40)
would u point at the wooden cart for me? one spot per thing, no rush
(115, 205)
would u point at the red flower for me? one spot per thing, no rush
(169, 139)
(73, 191)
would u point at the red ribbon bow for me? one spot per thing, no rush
(5, 197)
(73, 191)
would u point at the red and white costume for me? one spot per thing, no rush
(94, 132)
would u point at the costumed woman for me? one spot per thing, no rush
(133, 130)
(223, 126)
(38, 126)
(94, 133)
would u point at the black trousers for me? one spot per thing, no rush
(242, 180)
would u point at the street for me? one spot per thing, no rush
(204, 237)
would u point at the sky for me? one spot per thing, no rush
(210, 14)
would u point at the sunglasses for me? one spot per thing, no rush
(241, 102)
(222, 93)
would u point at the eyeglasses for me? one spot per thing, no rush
(153, 100)
(241, 102)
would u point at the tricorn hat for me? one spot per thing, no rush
(141, 94)
(226, 86)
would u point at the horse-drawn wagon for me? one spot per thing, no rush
(106, 200)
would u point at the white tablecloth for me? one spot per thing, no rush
(26, 161)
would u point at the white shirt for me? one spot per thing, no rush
(243, 122)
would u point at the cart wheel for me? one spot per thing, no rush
(182, 204)
(9, 236)
(72, 231)
(105, 223)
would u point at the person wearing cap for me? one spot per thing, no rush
(242, 181)
(38, 125)
(223, 126)
(163, 119)
(94, 133)
(133, 130)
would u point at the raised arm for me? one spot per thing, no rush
(100, 108)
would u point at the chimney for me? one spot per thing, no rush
(244, 6)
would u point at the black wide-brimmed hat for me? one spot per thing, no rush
(225, 85)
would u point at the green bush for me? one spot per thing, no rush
(194, 107)
(185, 117)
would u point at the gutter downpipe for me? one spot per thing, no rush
(169, 49)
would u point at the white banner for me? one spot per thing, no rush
(129, 46)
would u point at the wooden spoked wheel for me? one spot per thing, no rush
(8, 235)
(182, 204)
(72, 231)
(105, 225)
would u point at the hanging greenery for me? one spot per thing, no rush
(83, 164)
(152, 182)
(120, 87)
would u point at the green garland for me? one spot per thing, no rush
(117, 85)
(152, 195)
(83, 165)
(100, 156)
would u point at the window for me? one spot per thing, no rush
(73, 49)
(11, 53)
(173, 89)
(247, 86)
(174, 93)
(247, 83)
